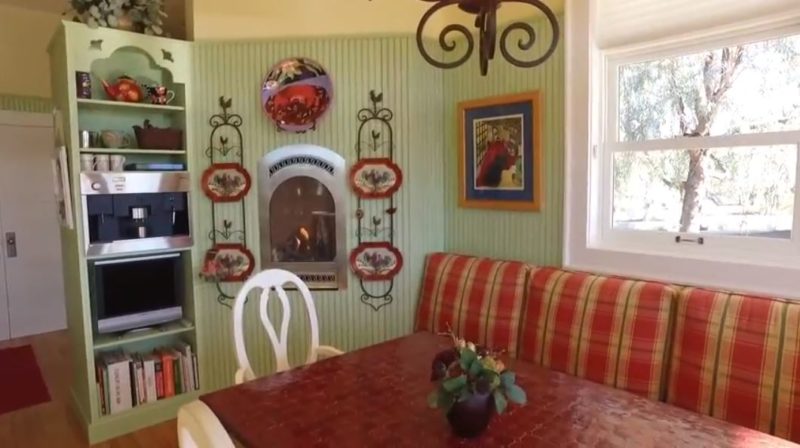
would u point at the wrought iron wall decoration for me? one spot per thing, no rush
(485, 12)
(376, 178)
(226, 182)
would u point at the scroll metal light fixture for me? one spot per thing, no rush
(485, 12)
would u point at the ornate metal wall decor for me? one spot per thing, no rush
(376, 178)
(228, 259)
(485, 12)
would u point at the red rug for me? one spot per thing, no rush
(21, 383)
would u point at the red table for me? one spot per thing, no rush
(378, 397)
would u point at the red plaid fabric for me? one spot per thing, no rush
(737, 358)
(609, 330)
(481, 299)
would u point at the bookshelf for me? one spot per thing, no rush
(108, 54)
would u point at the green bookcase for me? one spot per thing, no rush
(108, 54)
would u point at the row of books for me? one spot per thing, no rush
(126, 380)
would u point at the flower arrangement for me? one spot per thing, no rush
(145, 16)
(466, 371)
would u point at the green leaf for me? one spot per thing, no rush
(465, 395)
(433, 399)
(508, 378)
(444, 400)
(453, 384)
(475, 368)
(466, 358)
(500, 402)
(516, 394)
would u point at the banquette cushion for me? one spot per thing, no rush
(737, 358)
(479, 298)
(610, 330)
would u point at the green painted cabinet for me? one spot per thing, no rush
(108, 54)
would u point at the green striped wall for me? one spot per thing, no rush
(533, 237)
(32, 104)
(413, 90)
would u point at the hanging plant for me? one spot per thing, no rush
(145, 16)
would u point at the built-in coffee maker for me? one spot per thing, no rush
(132, 212)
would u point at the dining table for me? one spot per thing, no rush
(377, 397)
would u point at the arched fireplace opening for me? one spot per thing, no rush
(302, 214)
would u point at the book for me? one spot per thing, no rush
(169, 381)
(119, 376)
(196, 372)
(151, 395)
(159, 376)
(187, 366)
(100, 377)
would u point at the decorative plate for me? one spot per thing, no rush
(296, 93)
(228, 262)
(226, 182)
(376, 178)
(376, 261)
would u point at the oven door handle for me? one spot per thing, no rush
(130, 260)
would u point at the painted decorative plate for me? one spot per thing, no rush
(225, 182)
(228, 262)
(376, 261)
(376, 178)
(296, 93)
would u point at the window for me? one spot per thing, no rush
(701, 149)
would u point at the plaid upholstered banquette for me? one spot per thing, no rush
(734, 357)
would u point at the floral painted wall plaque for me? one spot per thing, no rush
(225, 182)
(376, 178)
(376, 261)
(228, 262)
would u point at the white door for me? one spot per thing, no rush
(5, 330)
(33, 275)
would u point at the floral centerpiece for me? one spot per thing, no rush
(472, 382)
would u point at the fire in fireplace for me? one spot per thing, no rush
(302, 201)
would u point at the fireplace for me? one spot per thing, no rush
(302, 211)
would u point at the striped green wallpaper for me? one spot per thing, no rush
(413, 90)
(533, 237)
(20, 103)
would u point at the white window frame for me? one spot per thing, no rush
(714, 247)
(589, 242)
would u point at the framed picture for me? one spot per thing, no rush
(62, 189)
(500, 153)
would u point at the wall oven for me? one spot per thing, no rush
(130, 212)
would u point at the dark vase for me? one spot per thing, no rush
(470, 418)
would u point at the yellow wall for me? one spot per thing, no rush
(24, 36)
(245, 19)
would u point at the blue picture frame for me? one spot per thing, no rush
(500, 153)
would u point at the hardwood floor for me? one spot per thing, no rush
(53, 425)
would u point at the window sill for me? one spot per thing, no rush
(767, 278)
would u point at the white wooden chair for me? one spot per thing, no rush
(267, 281)
(198, 427)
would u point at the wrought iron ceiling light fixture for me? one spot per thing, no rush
(485, 12)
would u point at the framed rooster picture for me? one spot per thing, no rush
(500, 153)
